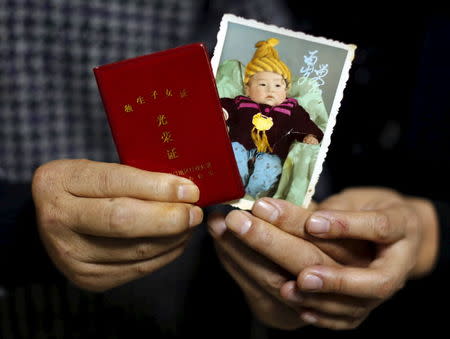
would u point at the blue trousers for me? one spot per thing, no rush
(260, 178)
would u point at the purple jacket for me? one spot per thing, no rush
(291, 122)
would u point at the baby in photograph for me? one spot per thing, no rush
(264, 123)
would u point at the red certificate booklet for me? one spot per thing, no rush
(165, 116)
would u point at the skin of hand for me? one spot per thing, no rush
(105, 224)
(266, 260)
(403, 230)
(262, 258)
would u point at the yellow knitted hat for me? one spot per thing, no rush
(266, 59)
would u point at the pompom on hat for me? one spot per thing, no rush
(266, 59)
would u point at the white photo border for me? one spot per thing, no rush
(350, 48)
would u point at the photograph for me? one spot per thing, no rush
(280, 92)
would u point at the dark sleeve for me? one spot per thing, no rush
(217, 305)
(305, 125)
(429, 126)
(229, 106)
(22, 256)
(443, 211)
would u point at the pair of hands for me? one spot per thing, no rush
(106, 224)
(331, 265)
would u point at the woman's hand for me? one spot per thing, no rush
(105, 224)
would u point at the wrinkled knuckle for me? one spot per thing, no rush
(169, 188)
(143, 251)
(165, 186)
(178, 215)
(106, 181)
(142, 269)
(337, 285)
(120, 216)
(382, 227)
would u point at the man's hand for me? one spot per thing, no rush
(106, 224)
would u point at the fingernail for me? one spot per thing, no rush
(238, 222)
(195, 216)
(318, 225)
(312, 282)
(218, 227)
(188, 193)
(308, 318)
(266, 211)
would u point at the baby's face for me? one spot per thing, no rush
(266, 88)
